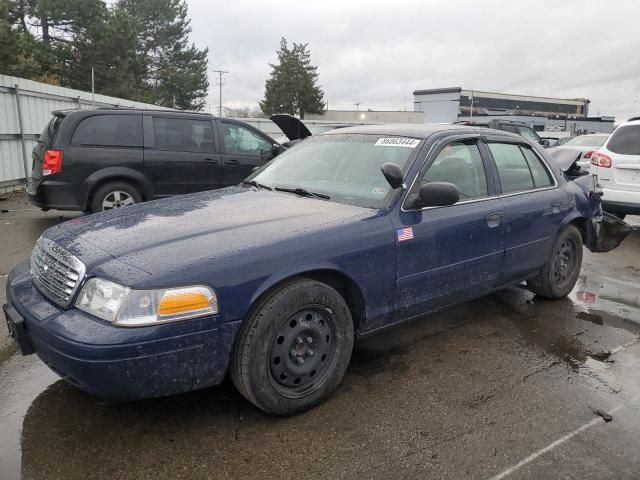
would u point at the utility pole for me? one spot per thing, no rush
(220, 83)
(93, 90)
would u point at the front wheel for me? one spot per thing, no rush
(293, 351)
(560, 272)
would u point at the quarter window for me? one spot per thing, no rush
(541, 176)
(459, 163)
(183, 135)
(109, 130)
(237, 140)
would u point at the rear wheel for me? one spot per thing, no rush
(295, 348)
(560, 273)
(114, 195)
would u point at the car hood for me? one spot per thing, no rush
(291, 126)
(175, 231)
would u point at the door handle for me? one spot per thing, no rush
(556, 203)
(209, 160)
(493, 219)
(231, 162)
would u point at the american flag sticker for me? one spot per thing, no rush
(404, 234)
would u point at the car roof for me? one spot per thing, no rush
(421, 131)
(402, 129)
(125, 111)
(631, 121)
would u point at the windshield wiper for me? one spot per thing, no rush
(256, 184)
(303, 193)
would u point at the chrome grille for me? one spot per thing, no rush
(56, 273)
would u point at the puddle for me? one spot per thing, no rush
(22, 379)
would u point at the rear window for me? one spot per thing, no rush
(50, 131)
(625, 140)
(529, 134)
(110, 130)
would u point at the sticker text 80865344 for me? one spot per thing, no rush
(397, 142)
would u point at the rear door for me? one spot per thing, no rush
(533, 203)
(452, 253)
(243, 149)
(181, 154)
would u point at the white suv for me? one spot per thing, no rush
(617, 168)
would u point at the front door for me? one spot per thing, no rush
(243, 149)
(180, 155)
(448, 254)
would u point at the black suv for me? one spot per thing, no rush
(94, 160)
(521, 129)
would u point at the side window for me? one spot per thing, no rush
(183, 134)
(541, 176)
(529, 134)
(459, 163)
(109, 130)
(513, 169)
(509, 128)
(238, 140)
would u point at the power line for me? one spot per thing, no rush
(220, 83)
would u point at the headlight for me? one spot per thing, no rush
(135, 308)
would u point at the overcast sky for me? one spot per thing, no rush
(378, 52)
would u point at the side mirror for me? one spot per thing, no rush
(545, 143)
(437, 194)
(277, 149)
(393, 175)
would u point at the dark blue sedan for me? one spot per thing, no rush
(343, 235)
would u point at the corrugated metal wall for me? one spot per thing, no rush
(37, 100)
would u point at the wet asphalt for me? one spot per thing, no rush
(507, 386)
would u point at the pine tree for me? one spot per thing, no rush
(17, 46)
(292, 87)
(175, 72)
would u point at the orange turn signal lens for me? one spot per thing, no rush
(188, 300)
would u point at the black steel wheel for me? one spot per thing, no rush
(303, 351)
(560, 272)
(294, 348)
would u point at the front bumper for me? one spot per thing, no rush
(115, 362)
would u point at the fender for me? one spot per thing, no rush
(123, 173)
(280, 277)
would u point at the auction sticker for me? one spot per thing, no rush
(397, 142)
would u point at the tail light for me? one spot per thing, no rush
(589, 153)
(52, 162)
(601, 160)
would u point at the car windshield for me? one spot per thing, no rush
(587, 141)
(346, 168)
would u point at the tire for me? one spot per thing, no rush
(118, 194)
(294, 349)
(560, 272)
